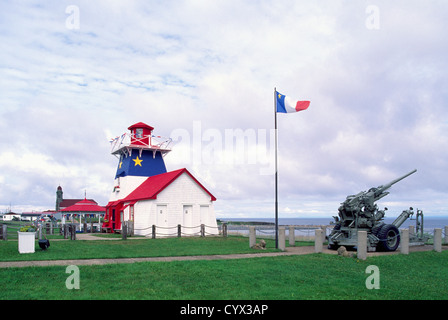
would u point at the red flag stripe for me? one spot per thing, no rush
(302, 105)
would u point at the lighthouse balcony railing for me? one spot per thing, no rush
(151, 142)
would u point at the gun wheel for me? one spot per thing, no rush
(389, 238)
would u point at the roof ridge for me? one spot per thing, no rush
(152, 186)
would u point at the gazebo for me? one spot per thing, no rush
(84, 208)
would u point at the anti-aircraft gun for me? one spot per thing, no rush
(360, 213)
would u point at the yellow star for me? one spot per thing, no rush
(121, 162)
(279, 96)
(138, 162)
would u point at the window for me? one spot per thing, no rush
(131, 212)
(139, 133)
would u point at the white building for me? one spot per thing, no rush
(10, 216)
(145, 193)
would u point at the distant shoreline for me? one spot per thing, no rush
(252, 223)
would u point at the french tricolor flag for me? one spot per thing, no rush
(287, 105)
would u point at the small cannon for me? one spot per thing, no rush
(360, 213)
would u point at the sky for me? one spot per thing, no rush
(74, 74)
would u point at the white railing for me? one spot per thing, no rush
(146, 142)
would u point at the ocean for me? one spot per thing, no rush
(429, 223)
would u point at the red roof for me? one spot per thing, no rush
(152, 186)
(65, 203)
(84, 206)
(141, 125)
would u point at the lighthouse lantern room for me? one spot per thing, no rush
(141, 134)
(140, 138)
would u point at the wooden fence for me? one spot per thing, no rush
(155, 231)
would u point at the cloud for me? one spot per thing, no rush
(377, 98)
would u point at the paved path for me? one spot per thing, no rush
(288, 252)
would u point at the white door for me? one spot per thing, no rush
(188, 219)
(162, 218)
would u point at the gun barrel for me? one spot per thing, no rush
(401, 178)
(390, 184)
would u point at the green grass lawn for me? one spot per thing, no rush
(132, 248)
(419, 275)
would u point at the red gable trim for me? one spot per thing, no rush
(129, 204)
(112, 203)
(152, 186)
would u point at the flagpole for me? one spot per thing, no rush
(276, 171)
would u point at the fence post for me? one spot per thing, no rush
(281, 238)
(318, 241)
(292, 239)
(324, 233)
(438, 239)
(124, 230)
(153, 231)
(252, 236)
(130, 224)
(202, 230)
(40, 232)
(224, 230)
(446, 234)
(72, 231)
(179, 231)
(362, 245)
(404, 241)
(5, 232)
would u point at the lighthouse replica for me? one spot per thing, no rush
(145, 194)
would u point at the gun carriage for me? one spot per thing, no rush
(360, 213)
